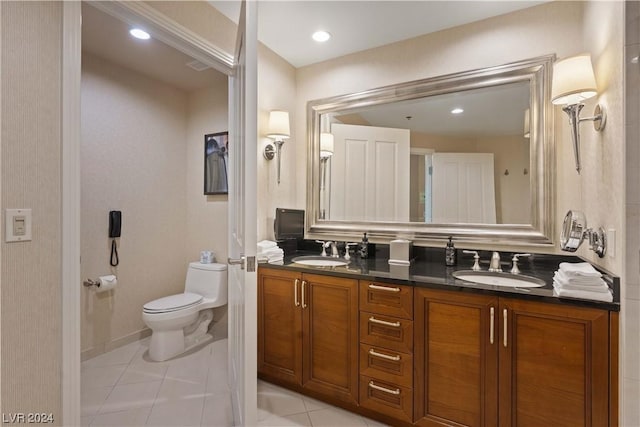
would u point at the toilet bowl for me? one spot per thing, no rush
(180, 322)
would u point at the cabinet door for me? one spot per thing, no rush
(280, 325)
(456, 357)
(330, 353)
(553, 365)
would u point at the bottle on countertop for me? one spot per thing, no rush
(450, 255)
(363, 247)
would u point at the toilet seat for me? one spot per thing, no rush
(172, 303)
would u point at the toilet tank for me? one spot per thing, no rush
(208, 280)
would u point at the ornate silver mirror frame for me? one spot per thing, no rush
(537, 71)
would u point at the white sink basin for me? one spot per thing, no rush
(499, 279)
(320, 261)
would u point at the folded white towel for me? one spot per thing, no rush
(579, 269)
(266, 244)
(602, 288)
(272, 254)
(276, 261)
(562, 277)
(275, 250)
(597, 296)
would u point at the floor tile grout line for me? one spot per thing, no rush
(206, 386)
(109, 394)
(155, 399)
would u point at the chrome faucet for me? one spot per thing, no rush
(495, 267)
(334, 248)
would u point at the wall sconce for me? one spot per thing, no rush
(326, 151)
(527, 121)
(278, 131)
(573, 82)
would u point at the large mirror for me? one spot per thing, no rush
(468, 154)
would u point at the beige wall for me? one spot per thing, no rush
(556, 27)
(630, 316)
(134, 160)
(206, 226)
(276, 91)
(143, 153)
(30, 294)
(563, 28)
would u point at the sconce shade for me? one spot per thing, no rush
(573, 80)
(279, 125)
(527, 119)
(326, 145)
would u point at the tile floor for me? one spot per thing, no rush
(124, 388)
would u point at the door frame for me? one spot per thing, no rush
(165, 30)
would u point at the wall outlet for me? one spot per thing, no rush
(17, 225)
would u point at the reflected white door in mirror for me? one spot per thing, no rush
(392, 170)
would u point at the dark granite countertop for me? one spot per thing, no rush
(428, 270)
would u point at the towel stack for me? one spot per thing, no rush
(580, 280)
(270, 250)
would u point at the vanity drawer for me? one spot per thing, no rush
(386, 332)
(385, 298)
(387, 398)
(387, 365)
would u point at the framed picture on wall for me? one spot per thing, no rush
(216, 159)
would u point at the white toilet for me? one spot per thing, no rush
(180, 322)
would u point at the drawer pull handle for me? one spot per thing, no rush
(382, 322)
(504, 317)
(304, 304)
(296, 302)
(384, 356)
(491, 326)
(383, 288)
(384, 389)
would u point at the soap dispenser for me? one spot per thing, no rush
(363, 248)
(450, 255)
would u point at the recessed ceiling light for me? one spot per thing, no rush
(321, 36)
(457, 111)
(139, 34)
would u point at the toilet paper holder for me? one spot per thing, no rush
(91, 282)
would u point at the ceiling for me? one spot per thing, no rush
(355, 25)
(493, 111)
(286, 26)
(108, 38)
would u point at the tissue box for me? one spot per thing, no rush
(400, 252)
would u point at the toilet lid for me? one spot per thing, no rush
(172, 303)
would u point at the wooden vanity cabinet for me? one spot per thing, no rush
(280, 325)
(554, 365)
(386, 349)
(456, 363)
(308, 332)
(486, 361)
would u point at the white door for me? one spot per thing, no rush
(369, 174)
(463, 188)
(243, 139)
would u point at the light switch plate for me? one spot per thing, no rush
(611, 243)
(17, 225)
